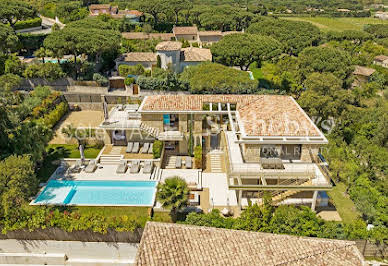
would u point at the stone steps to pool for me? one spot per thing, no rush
(110, 159)
(157, 174)
(171, 161)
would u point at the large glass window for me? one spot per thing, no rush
(170, 122)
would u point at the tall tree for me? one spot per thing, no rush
(244, 49)
(12, 11)
(8, 38)
(178, 5)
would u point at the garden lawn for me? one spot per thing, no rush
(338, 24)
(344, 205)
(60, 151)
(257, 73)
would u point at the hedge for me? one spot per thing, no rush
(198, 156)
(125, 70)
(48, 71)
(30, 23)
(52, 118)
(157, 149)
(47, 104)
(128, 81)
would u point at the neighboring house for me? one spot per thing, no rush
(179, 244)
(381, 15)
(98, 9)
(381, 60)
(147, 60)
(171, 54)
(268, 141)
(134, 16)
(209, 36)
(187, 33)
(362, 75)
(148, 36)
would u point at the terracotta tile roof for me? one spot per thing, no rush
(185, 30)
(381, 58)
(209, 33)
(99, 6)
(178, 244)
(363, 71)
(169, 46)
(138, 57)
(136, 13)
(146, 36)
(194, 54)
(260, 115)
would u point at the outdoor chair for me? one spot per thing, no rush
(178, 162)
(122, 168)
(151, 148)
(91, 167)
(136, 147)
(146, 146)
(129, 147)
(135, 167)
(188, 162)
(148, 165)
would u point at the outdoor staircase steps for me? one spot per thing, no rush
(110, 159)
(170, 162)
(154, 132)
(157, 174)
(282, 196)
(215, 161)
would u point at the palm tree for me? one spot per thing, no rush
(173, 194)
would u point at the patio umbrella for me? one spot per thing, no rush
(81, 151)
(105, 107)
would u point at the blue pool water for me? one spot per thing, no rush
(98, 193)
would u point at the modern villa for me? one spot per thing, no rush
(251, 144)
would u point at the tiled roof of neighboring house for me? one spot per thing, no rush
(185, 30)
(363, 71)
(168, 46)
(209, 33)
(138, 57)
(194, 54)
(99, 6)
(146, 36)
(136, 13)
(381, 58)
(260, 115)
(178, 244)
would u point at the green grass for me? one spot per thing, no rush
(163, 217)
(257, 73)
(342, 202)
(59, 151)
(339, 24)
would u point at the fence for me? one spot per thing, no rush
(85, 235)
(372, 250)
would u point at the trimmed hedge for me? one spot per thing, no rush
(157, 149)
(30, 23)
(52, 118)
(125, 70)
(198, 156)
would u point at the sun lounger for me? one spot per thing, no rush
(188, 162)
(129, 147)
(135, 167)
(147, 167)
(146, 146)
(150, 148)
(178, 162)
(136, 147)
(91, 167)
(122, 168)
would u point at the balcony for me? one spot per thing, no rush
(170, 136)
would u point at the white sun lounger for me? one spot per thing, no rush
(129, 147)
(135, 167)
(147, 167)
(91, 167)
(136, 147)
(178, 162)
(188, 162)
(145, 148)
(122, 168)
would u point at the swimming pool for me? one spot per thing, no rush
(97, 193)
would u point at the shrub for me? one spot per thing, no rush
(198, 156)
(128, 81)
(52, 118)
(195, 44)
(157, 149)
(47, 71)
(125, 70)
(30, 23)
(100, 79)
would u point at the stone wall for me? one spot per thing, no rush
(305, 156)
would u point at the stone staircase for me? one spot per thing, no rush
(170, 162)
(277, 198)
(110, 159)
(215, 158)
(151, 131)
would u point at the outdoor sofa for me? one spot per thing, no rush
(122, 167)
(148, 165)
(135, 167)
